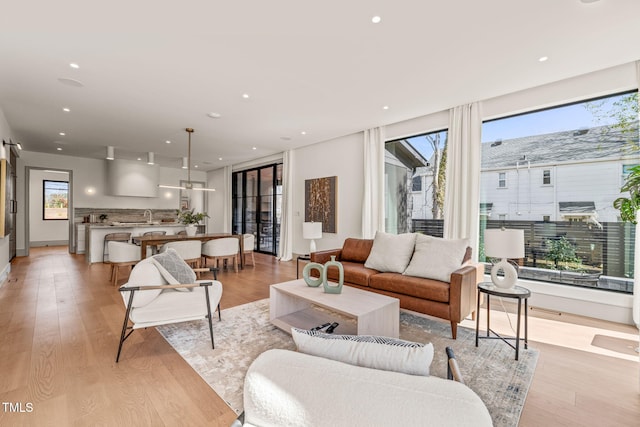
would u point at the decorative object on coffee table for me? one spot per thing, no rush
(312, 281)
(504, 244)
(330, 287)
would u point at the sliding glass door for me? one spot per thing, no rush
(257, 199)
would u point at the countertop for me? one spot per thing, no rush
(97, 225)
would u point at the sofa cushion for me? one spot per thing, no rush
(391, 252)
(354, 273)
(427, 289)
(356, 250)
(388, 354)
(436, 258)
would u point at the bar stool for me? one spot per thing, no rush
(113, 237)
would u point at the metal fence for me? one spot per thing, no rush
(604, 255)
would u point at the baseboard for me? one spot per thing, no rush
(48, 243)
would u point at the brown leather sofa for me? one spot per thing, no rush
(450, 301)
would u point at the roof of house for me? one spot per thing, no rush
(580, 144)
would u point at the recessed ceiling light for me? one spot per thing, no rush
(215, 115)
(543, 58)
(71, 82)
(219, 158)
(62, 134)
(245, 95)
(254, 148)
(589, 1)
(386, 107)
(139, 158)
(303, 133)
(59, 149)
(66, 110)
(168, 142)
(195, 166)
(376, 19)
(74, 65)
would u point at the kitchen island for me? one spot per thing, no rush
(95, 233)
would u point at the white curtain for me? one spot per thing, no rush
(636, 273)
(373, 197)
(285, 250)
(462, 195)
(228, 190)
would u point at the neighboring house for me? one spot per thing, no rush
(563, 176)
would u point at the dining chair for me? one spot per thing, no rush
(122, 254)
(224, 249)
(189, 250)
(154, 248)
(249, 245)
(115, 237)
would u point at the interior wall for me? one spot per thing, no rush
(41, 231)
(217, 203)
(90, 186)
(341, 157)
(5, 266)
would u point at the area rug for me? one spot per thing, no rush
(245, 332)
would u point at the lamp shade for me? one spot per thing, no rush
(110, 153)
(504, 243)
(312, 230)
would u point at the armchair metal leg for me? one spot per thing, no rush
(219, 318)
(206, 292)
(124, 325)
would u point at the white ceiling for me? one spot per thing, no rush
(151, 68)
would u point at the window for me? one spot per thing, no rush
(414, 184)
(585, 245)
(55, 200)
(502, 180)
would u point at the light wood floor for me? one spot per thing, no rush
(60, 321)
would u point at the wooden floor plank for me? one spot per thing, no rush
(60, 322)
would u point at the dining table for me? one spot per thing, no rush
(158, 240)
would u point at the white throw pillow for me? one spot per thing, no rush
(391, 252)
(387, 354)
(436, 258)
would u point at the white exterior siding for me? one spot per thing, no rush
(526, 198)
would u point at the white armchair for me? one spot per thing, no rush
(163, 289)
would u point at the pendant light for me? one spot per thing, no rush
(188, 185)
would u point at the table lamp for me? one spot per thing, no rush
(312, 231)
(504, 244)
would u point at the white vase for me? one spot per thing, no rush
(191, 229)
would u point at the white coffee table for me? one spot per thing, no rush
(294, 304)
